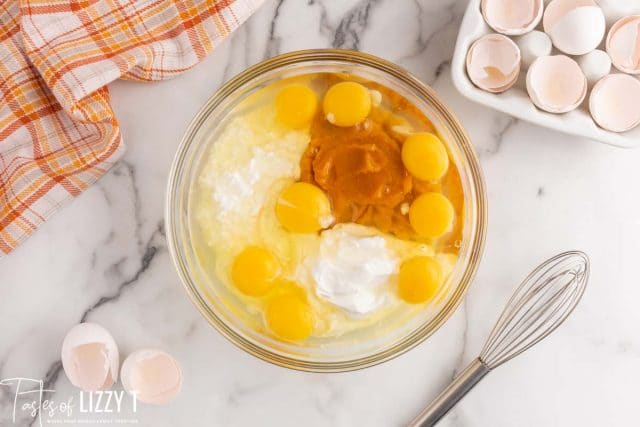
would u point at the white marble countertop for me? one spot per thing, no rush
(104, 257)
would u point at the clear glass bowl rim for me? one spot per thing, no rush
(461, 140)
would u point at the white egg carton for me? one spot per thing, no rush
(516, 102)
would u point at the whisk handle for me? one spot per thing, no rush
(452, 394)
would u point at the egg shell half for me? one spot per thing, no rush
(153, 376)
(493, 63)
(614, 102)
(623, 44)
(90, 357)
(556, 84)
(512, 17)
(576, 27)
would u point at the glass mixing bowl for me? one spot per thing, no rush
(364, 348)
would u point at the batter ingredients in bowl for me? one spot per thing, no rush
(328, 204)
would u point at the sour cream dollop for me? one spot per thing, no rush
(353, 269)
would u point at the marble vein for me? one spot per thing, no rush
(502, 126)
(150, 251)
(109, 261)
(273, 41)
(347, 34)
(154, 244)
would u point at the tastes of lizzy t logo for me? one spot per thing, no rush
(32, 400)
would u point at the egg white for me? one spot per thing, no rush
(249, 164)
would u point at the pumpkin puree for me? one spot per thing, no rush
(360, 168)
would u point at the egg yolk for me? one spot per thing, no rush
(347, 104)
(425, 156)
(419, 280)
(289, 316)
(303, 208)
(431, 215)
(296, 105)
(254, 271)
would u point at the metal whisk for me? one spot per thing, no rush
(539, 305)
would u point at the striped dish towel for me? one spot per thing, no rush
(58, 133)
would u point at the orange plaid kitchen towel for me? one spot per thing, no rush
(58, 133)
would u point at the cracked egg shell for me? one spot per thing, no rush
(614, 104)
(623, 44)
(512, 17)
(493, 63)
(556, 83)
(152, 375)
(576, 27)
(90, 357)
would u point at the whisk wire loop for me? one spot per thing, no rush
(540, 304)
